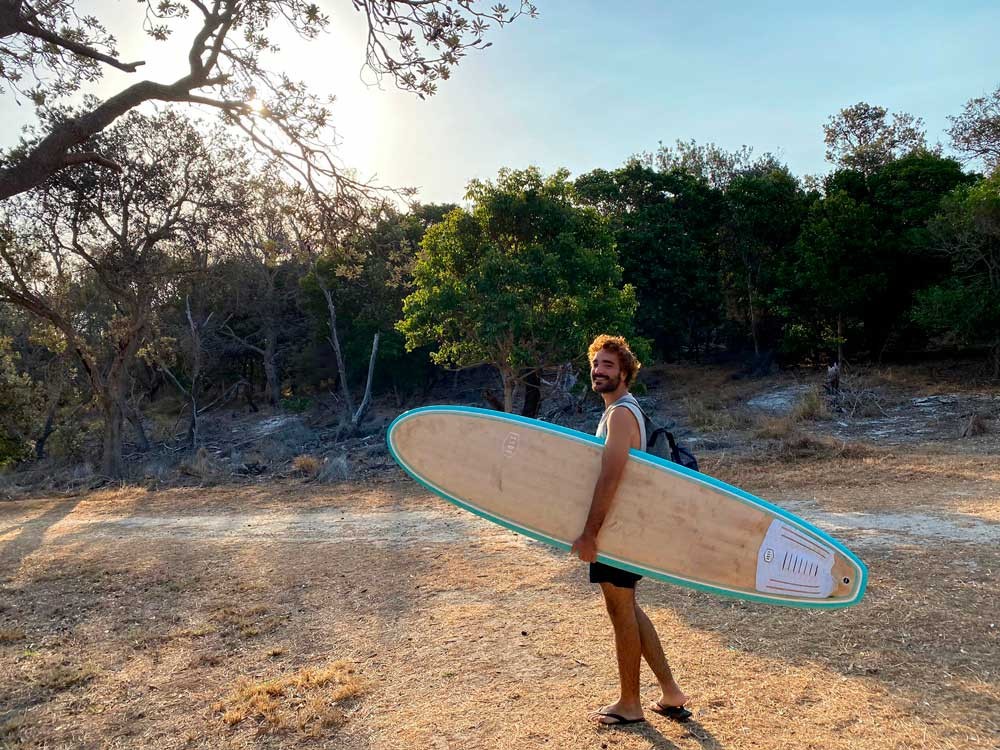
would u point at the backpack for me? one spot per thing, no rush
(677, 453)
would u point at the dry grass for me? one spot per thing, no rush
(201, 466)
(484, 642)
(63, 676)
(307, 465)
(774, 428)
(977, 425)
(811, 406)
(9, 635)
(307, 701)
(714, 416)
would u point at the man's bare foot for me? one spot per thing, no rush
(671, 704)
(618, 713)
(671, 695)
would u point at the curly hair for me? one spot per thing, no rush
(628, 362)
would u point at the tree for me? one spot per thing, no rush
(762, 216)
(966, 306)
(522, 281)
(833, 273)
(665, 226)
(367, 274)
(49, 51)
(94, 254)
(262, 272)
(19, 404)
(859, 137)
(709, 162)
(905, 195)
(976, 131)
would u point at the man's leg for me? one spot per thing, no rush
(652, 651)
(628, 646)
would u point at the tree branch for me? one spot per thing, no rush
(83, 50)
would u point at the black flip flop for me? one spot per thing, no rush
(675, 713)
(619, 720)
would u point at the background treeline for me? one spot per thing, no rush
(200, 274)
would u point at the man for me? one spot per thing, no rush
(613, 367)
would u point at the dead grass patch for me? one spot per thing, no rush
(63, 676)
(307, 701)
(774, 428)
(248, 622)
(201, 466)
(10, 635)
(810, 406)
(306, 465)
(10, 733)
(714, 416)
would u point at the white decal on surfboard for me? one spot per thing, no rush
(510, 444)
(793, 563)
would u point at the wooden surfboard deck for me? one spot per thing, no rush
(666, 522)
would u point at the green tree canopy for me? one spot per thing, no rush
(665, 226)
(966, 306)
(521, 281)
(763, 213)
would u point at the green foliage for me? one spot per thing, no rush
(905, 196)
(368, 276)
(665, 227)
(296, 404)
(833, 272)
(763, 214)
(966, 306)
(861, 138)
(19, 401)
(523, 280)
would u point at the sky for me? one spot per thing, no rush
(589, 84)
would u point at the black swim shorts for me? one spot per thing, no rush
(623, 579)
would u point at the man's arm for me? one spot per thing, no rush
(622, 428)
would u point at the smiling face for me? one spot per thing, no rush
(605, 372)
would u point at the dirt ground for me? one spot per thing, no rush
(131, 618)
(279, 613)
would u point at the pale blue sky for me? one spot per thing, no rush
(587, 84)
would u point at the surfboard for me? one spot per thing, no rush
(667, 522)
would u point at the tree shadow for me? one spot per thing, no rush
(15, 550)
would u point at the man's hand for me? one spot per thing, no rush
(585, 547)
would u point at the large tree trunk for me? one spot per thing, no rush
(50, 427)
(273, 386)
(112, 462)
(532, 393)
(507, 377)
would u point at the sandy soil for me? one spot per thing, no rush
(132, 618)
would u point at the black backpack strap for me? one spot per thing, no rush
(652, 437)
(675, 454)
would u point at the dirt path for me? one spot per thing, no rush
(135, 619)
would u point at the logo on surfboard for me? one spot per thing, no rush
(510, 444)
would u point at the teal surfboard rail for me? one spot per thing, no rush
(735, 492)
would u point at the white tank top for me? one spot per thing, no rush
(629, 402)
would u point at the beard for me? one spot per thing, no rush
(605, 385)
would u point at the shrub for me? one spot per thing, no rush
(811, 406)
